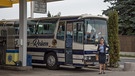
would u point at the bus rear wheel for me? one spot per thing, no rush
(52, 61)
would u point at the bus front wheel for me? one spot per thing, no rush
(52, 61)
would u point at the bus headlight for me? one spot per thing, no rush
(87, 57)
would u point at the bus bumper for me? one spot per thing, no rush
(90, 60)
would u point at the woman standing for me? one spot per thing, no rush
(102, 55)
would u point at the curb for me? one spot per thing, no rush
(16, 68)
(127, 58)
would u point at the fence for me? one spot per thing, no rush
(127, 43)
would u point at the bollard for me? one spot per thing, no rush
(129, 66)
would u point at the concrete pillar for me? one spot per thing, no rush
(23, 31)
(32, 9)
(129, 66)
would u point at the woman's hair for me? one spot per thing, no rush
(101, 39)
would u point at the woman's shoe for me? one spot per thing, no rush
(103, 72)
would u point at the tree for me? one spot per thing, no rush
(58, 14)
(126, 14)
(48, 14)
(113, 38)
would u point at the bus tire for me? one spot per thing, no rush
(52, 61)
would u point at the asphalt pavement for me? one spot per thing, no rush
(70, 71)
(64, 72)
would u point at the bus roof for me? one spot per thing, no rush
(61, 17)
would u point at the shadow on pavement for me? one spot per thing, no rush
(67, 69)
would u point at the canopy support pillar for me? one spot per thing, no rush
(23, 31)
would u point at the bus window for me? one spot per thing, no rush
(16, 30)
(78, 32)
(16, 27)
(40, 29)
(32, 27)
(61, 31)
(46, 27)
(95, 29)
(101, 29)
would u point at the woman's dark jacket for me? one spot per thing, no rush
(105, 46)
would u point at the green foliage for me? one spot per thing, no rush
(126, 12)
(58, 15)
(48, 14)
(113, 38)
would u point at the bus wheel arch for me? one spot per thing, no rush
(51, 60)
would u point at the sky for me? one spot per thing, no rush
(66, 7)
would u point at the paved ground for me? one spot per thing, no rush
(63, 72)
(69, 71)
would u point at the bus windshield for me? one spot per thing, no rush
(94, 30)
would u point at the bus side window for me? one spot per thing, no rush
(61, 31)
(16, 31)
(40, 29)
(46, 27)
(16, 27)
(78, 32)
(30, 29)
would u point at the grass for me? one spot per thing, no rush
(133, 56)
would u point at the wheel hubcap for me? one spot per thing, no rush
(51, 60)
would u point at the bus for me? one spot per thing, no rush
(65, 40)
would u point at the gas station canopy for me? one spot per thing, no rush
(9, 3)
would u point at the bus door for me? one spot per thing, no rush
(68, 43)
